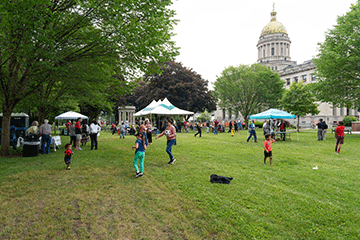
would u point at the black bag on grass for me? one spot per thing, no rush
(220, 179)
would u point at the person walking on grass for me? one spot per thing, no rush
(320, 132)
(198, 128)
(170, 133)
(68, 154)
(232, 132)
(122, 130)
(339, 135)
(139, 154)
(252, 131)
(267, 148)
(149, 129)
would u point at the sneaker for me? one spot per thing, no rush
(338, 153)
(172, 161)
(80, 149)
(139, 174)
(68, 168)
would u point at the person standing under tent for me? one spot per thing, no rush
(78, 133)
(170, 134)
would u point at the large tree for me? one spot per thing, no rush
(338, 62)
(299, 100)
(248, 88)
(39, 39)
(181, 85)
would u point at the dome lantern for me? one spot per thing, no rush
(273, 26)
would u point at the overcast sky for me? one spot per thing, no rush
(215, 34)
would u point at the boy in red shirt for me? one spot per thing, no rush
(339, 135)
(267, 148)
(68, 154)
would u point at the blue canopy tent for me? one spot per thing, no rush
(274, 114)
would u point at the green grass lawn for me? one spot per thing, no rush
(100, 198)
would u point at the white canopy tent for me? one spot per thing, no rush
(71, 115)
(162, 107)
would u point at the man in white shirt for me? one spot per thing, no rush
(94, 130)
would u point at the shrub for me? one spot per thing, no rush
(259, 124)
(348, 119)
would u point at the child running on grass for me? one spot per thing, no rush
(267, 148)
(339, 135)
(139, 154)
(232, 131)
(170, 133)
(68, 154)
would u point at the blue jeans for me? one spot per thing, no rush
(170, 143)
(252, 132)
(146, 140)
(122, 134)
(215, 130)
(45, 139)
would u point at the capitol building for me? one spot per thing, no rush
(273, 50)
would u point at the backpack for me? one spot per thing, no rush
(220, 179)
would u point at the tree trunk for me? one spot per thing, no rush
(5, 131)
(298, 124)
(246, 122)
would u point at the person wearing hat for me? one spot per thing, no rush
(170, 133)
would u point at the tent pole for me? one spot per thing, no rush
(194, 123)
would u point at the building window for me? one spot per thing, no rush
(304, 78)
(275, 67)
(272, 51)
(334, 110)
(313, 78)
(223, 113)
(287, 81)
(264, 53)
(282, 51)
(296, 79)
(341, 111)
(272, 68)
(230, 113)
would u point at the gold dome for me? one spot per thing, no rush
(273, 26)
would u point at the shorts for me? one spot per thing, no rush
(78, 137)
(67, 160)
(267, 154)
(339, 140)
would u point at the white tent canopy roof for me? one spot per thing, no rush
(71, 115)
(164, 107)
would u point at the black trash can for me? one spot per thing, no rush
(31, 148)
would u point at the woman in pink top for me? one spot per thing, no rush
(170, 133)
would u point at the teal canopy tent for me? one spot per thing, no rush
(273, 114)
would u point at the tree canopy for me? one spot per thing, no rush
(41, 40)
(338, 61)
(181, 85)
(248, 88)
(299, 100)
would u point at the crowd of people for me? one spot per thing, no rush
(143, 132)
